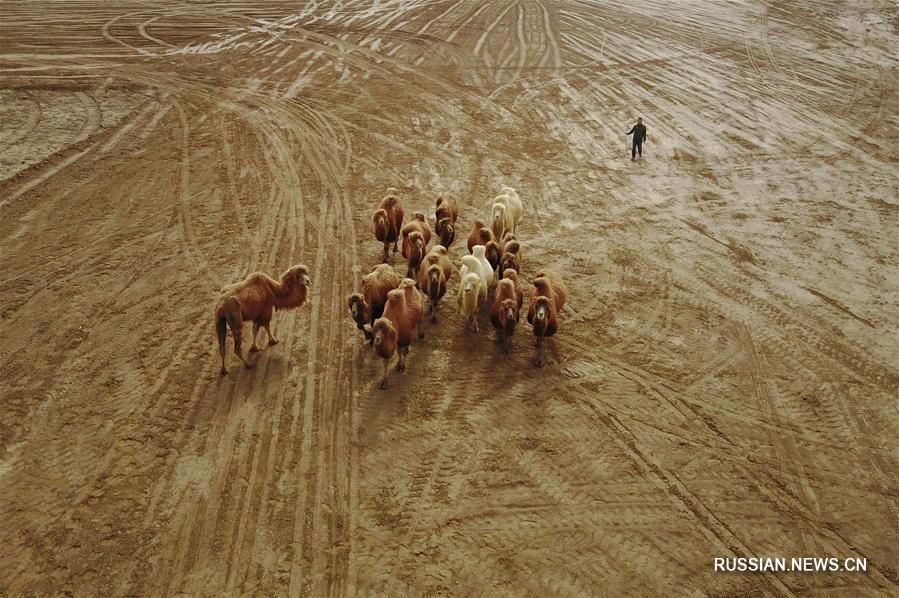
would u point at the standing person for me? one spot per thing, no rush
(639, 131)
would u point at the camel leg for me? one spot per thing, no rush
(383, 383)
(238, 333)
(433, 313)
(539, 359)
(386, 253)
(401, 354)
(394, 245)
(253, 347)
(221, 330)
(271, 337)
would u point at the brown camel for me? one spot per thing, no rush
(254, 299)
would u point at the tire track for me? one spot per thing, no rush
(785, 452)
(236, 523)
(90, 126)
(33, 119)
(192, 246)
(305, 505)
(716, 529)
(816, 340)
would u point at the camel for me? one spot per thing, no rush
(254, 299)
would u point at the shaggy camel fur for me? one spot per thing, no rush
(367, 306)
(445, 219)
(418, 224)
(436, 270)
(511, 255)
(254, 299)
(504, 313)
(481, 235)
(472, 295)
(415, 253)
(512, 275)
(505, 213)
(388, 222)
(393, 331)
(547, 300)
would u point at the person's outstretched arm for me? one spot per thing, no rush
(631, 131)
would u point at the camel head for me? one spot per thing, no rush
(499, 212)
(381, 331)
(491, 252)
(446, 230)
(508, 262)
(508, 314)
(541, 308)
(297, 275)
(292, 288)
(417, 240)
(356, 304)
(434, 274)
(470, 282)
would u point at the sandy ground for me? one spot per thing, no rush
(724, 382)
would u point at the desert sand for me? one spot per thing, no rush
(724, 382)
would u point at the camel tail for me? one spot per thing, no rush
(228, 314)
(221, 330)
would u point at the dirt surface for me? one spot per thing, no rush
(724, 382)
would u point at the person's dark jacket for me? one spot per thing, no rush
(639, 132)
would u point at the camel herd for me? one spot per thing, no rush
(390, 310)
